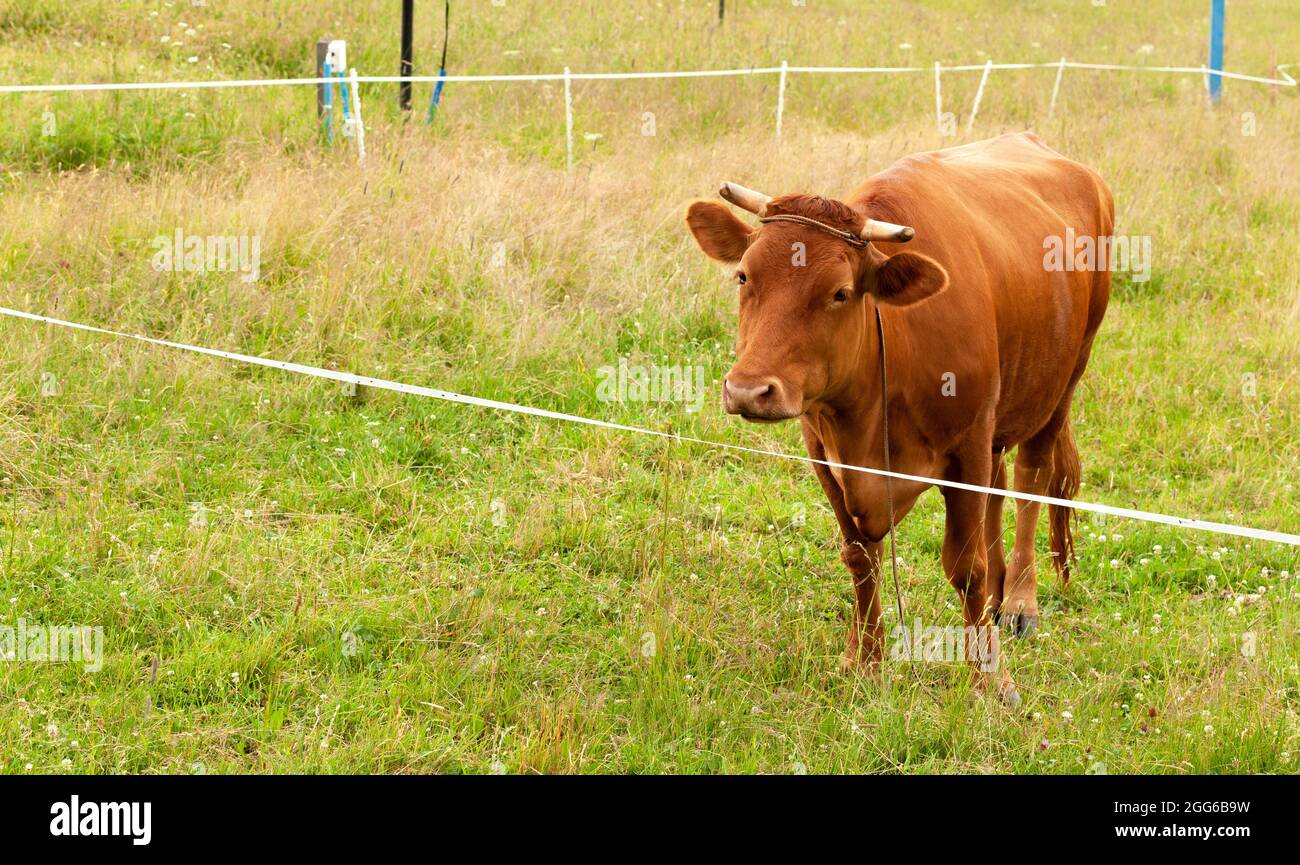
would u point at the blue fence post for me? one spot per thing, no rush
(1216, 49)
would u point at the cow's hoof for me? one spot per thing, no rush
(850, 664)
(1024, 626)
(1021, 625)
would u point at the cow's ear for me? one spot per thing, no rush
(906, 278)
(719, 232)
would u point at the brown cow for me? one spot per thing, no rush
(989, 364)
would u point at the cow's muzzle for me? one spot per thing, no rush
(757, 398)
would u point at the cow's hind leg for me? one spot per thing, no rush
(1046, 464)
(1019, 607)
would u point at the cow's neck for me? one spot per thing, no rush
(850, 424)
(860, 399)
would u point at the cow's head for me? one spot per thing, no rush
(806, 295)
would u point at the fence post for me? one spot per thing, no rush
(407, 64)
(780, 98)
(1216, 49)
(360, 126)
(1056, 89)
(979, 96)
(322, 48)
(938, 100)
(568, 122)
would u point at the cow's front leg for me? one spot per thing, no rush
(997, 567)
(866, 640)
(965, 562)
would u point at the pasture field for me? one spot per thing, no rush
(292, 579)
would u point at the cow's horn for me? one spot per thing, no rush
(746, 199)
(877, 230)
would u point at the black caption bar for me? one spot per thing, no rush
(141, 815)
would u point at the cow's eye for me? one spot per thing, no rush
(841, 295)
(740, 277)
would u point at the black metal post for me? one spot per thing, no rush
(408, 65)
(322, 47)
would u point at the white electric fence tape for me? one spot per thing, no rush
(1285, 80)
(417, 390)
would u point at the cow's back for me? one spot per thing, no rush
(1007, 330)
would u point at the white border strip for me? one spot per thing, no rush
(1285, 80)
(449, 396)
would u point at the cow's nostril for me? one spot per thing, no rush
(741, 397)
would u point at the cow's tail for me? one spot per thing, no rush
(1065, 484)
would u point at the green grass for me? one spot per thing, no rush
(290, 579)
